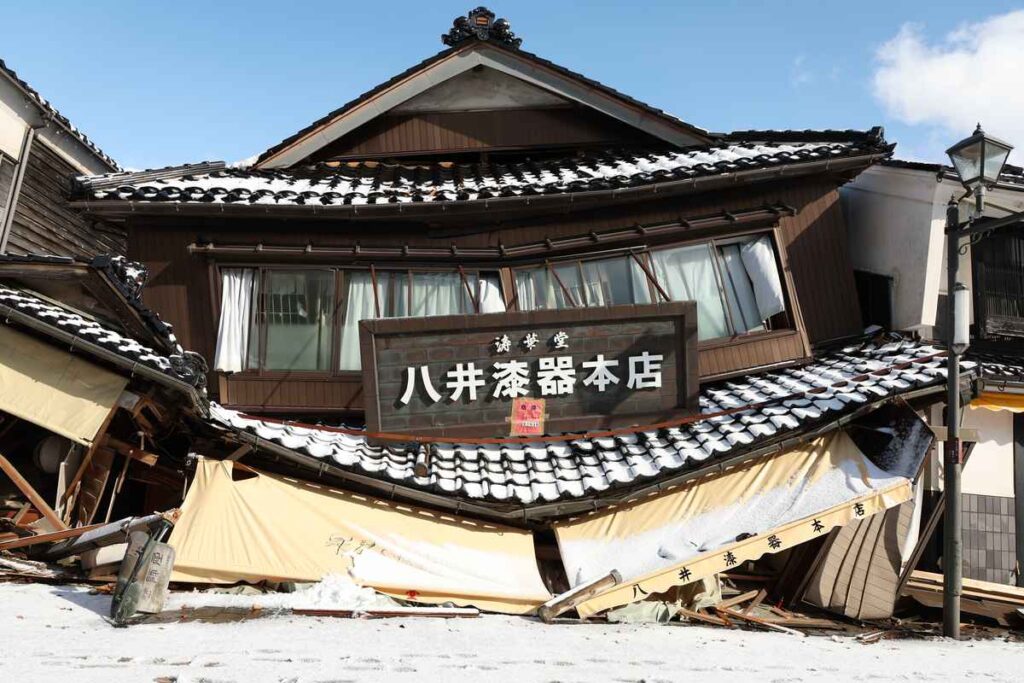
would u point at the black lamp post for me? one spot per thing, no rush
(978, 161)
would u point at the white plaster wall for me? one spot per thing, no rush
(989, 472)
(892, 220)
(12, 131)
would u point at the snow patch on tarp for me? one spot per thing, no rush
(667, 532)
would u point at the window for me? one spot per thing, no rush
(597, 282)
(307, 320)
(874, 292)
(298, 313)
(279, 319)
(736, 283)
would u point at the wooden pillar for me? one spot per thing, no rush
(1018, 492)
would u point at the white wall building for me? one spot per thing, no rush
(896, 216)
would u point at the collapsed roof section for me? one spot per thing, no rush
(95, 308)
(515, 479)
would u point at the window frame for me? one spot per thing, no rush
(506, 275)
(259, 314)
(656, 292)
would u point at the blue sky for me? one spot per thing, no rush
(165, 83)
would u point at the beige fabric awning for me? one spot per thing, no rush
(999, 401)
(238, 524)
(57, 390)
(713, 524)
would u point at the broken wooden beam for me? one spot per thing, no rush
(31, 494)
(53, 537)
(758, 621)
(576, 596)
(430, 612)
(101, 535)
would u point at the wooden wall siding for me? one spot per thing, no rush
(44, 224)
(814, 241)
(335, 395)
(751, 352)
(860, 572)
(454, 132)
(178, 287)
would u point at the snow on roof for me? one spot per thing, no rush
(180, 365)
(369, 182)
(782, 404)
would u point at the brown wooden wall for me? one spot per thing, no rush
(813, 241)
(477, 131)
(44, 224)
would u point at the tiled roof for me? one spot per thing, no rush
(772, 406)
(56, 115)
(1000, 366)
(182, 365)
(361, 183)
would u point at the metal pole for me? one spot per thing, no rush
(952, 554)
(1018, 492)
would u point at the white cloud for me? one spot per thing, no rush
(799, 74)
(974, 74)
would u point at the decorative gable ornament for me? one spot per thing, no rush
(481, 25)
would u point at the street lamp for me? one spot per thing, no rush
(978, 161)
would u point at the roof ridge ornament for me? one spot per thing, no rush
(480, 24)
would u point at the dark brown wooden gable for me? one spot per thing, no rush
(43, 221)
(445, 133)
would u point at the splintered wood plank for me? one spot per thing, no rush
(736, 600)
(701, 617)
(93, 484)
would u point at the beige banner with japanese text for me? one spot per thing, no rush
(238, 524)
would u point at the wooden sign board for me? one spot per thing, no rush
(594, 367)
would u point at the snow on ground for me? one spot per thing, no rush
(58, 633)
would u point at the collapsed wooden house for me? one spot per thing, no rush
(493, 330)
(95, 397)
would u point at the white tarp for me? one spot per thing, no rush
(709, 525)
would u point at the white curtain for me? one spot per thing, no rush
(614, 281)
(738, 291)
(491, 300)
(759, 259)
(688, 274)
(236, 298)
(533, 289)
(361, 305)
(432, 294)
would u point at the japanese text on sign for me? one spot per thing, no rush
(556, 375)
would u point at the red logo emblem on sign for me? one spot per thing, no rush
(527, 416)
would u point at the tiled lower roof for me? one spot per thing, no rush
(1000, 366)
(782, 403)
(369, 182)
(185, 366)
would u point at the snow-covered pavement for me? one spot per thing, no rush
(58, 633)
